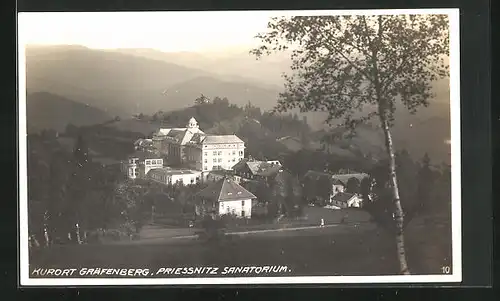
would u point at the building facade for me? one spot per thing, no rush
(170, 142)
(214, 152)
(225, 197)
(140, 163)
(169, 176)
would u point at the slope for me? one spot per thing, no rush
(117, 82)
(50, 111)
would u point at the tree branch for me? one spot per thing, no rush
(335, 50)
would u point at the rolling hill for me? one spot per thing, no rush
(50, 111)
(119, 83)
(125, 84)
(230, 64)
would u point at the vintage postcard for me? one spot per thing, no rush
(239, 147)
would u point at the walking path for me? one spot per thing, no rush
(159, 239)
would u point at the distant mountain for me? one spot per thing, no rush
(231, 65)
(120, 83)
(50, 111)
(125, 84)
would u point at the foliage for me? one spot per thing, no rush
(286, 193)
(357, 67)
(425, 182)
(378, 196)
(65, 189)
(353, 185)
(344, 62)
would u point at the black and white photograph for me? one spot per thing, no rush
(239, 147)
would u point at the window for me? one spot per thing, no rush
(205, 168)
(206, 153)
(220, 153)
(220, 160)
(241, 153)
(243, 203)
(242, 212)
(215, 160)
(234, 153)
(153, 161)
(206, 161)
(234, 160)
(148, 162)
(215, 153)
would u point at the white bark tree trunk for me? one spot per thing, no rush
(398, 214)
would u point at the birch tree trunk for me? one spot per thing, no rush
(399, 215)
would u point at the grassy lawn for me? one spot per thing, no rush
(307, 252)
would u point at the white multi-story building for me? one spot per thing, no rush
(214, 152)
(140, 163)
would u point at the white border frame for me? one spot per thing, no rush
(453, 14)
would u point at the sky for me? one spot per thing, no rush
(165, 31)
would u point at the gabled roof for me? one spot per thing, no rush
(164, 132)
(225, 190)
(345, 177)
(260, 168)
(242, 163)
(343, 197)
(221, 139)
(337, 179)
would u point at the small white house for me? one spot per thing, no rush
(225, 197)
(168, 176)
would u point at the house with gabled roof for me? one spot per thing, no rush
(331, 188)
(249, 169)
(225, 197)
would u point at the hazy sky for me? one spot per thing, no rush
(167, 31)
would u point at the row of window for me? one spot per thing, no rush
(215, 160)
(219, 153)
(179, 181)
(154, 162)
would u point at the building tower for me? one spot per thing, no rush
(193, 124)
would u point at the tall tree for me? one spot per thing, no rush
(286, 192)
(79, 183)
(425, 182)
(345, 65)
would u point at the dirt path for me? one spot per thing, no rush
(167, 236)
